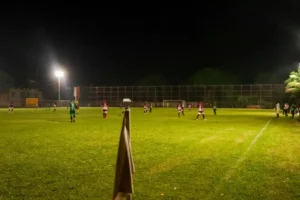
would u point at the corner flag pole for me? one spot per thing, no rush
(128, 126)
(123, 186)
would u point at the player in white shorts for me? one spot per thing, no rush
(11, 107)
(179, 108)
(182, 108)
(277, 109)
(145, 108)
(201, 111)
(54, 106)
(190, 107)
(104, 109)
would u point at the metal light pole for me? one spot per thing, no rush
(58, 89)
(59, 74)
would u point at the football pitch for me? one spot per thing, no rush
(237, 154)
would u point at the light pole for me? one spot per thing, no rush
(59, 74)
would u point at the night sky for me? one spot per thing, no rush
(117, 46)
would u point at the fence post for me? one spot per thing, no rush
(125, 91)
(97, 96)
(147, 93)
(110, 93)
(232, 95)
(241, 90)
(260, 94)
(271, 91)
(204, 96)
(187, 93)
(155, 94)
(118, 95)
(251, 93)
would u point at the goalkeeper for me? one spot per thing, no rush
(72, 111)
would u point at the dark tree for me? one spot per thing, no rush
(6, 81)
(153, 80)
(210, 76)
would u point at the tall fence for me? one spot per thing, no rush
(265, 95)
(226, 96)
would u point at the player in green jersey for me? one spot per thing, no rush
(293, 108)
(72, 111)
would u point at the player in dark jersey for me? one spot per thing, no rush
(77, 106)
(72, 111)
(215, 108)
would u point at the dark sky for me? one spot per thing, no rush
(117, 46)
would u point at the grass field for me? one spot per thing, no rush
(238, 154)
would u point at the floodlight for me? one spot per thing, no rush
(59, 73)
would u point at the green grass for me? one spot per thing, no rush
(234, 155)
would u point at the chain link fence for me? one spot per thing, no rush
(226, 96)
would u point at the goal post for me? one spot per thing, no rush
(172, 103)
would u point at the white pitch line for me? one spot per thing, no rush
(237, 164)
(228, 175)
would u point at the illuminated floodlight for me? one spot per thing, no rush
(59, 73)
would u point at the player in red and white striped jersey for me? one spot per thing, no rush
(201, 111)
(179, 108)
(145, 107)
(104, 109)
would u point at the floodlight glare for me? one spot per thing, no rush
(293, 76)
(59, 74)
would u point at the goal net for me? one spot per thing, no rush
(172, 103)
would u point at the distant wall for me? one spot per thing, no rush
(18, 96)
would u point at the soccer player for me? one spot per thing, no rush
(72, 111)
(54, 106)
(150, 111)
(182, 108)
(77, 106)
(11, 107)
(215, 107)
(190, 107)
(277, 109)
(293, 108)
(104, 109)
(286, 109)
(179, 108)
(201, 111)
(145, 108)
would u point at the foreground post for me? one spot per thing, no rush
(123, 187)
